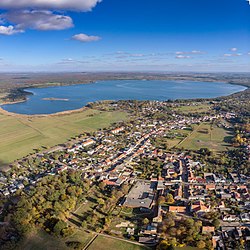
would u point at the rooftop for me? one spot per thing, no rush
(141, 195)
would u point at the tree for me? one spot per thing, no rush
(84, 224)
(201, 244)
(216, 223)
(100, 201)
(163, 245)
(74, 244)
(171, 247)
(169, 199)
(102, 186)
(59, 226)
(161, 200)
(145, 221)
(189, 223)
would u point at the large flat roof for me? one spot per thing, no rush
(141, 195)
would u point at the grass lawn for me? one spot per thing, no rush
(104, 243)
(207, 136)
(173, 142)
(182, 133)
(43, 241)
(80, 236)
(194, 109)
(20, 135)
(187, 248)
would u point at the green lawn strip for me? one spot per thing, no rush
(104, 243)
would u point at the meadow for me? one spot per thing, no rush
(207, 136)
(104, 243)
(194, 108)
(21, 135)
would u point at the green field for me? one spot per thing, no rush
(104, 243)
(20, 135)
(186, 248)
(194, 108)
(207, 136)
(43, 241)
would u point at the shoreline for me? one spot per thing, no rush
(14, 102)
(61, 113)
(67, 112)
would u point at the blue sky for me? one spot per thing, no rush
(125, 35)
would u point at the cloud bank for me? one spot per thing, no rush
(41, 15)
(75, 5)
(39, 20)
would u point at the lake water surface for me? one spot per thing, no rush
(77, 96)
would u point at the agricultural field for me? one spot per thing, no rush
(207, 136)
(104, 243)
(21, 135)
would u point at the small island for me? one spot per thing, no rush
(55, 99)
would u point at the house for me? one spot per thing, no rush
(88, 142)
(177, 209)
(6, 192)
(117, 130)
(150, 230)
(245, 217)
(160, 185)
(230, 218)
(130, 231)
(210, 187)
(207, 229)
(147, 240)
(178, 193)
(198, 207)
(20, 186)
(226, 196)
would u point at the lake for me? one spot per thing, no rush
(56, 99)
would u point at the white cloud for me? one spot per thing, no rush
(39, 20)
(71, 61)
(182, 57)
(193, 52)
(232, 55)
(179, 53)
(40, 14)
(197, 52)
(77, 5)
(137, 55)
(233, 49)
(85, 38)
(9, 30)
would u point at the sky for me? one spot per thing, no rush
(125, 35)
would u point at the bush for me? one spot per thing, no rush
(74, 244)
